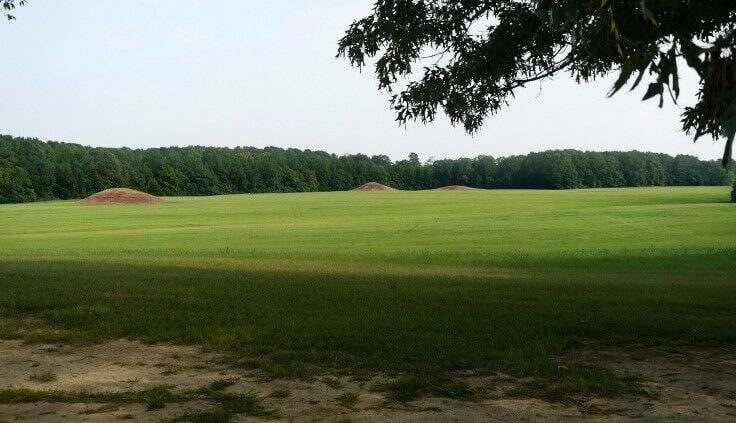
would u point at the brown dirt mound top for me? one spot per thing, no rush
(121, 195)
(373, 186)
(455, 188)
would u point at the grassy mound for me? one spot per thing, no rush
(373, 186)
(455, 188)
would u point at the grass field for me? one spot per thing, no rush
(418, 283)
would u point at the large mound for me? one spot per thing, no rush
(373, 186)
(121, 195)
(455, 188)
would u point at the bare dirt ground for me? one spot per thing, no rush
(692, 385)
(120, 195)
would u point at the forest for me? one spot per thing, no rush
(32, 170)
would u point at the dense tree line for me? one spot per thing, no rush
(34, 170)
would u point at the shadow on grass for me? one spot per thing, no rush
(301, 323)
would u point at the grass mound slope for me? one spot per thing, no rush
(373, 186)
(121, 195)
(455, 188)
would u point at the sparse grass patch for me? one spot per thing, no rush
(246, 363)
(241, 404)
(157, 397)
(279, 393)
(168, 371)
(216, 386)
(402, 390)
(332, 382)
(214, 416)
(348, 399)
(227, 404)
(105, 408)
(287, 365)
(44, 376)
(453, 389)
(410, 387)
(582, 381)
(232, 403)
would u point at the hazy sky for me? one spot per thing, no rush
(144, 73)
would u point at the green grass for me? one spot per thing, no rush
(226, 405)
(417, 283)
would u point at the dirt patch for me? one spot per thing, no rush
(455, 188)
(373, 186)
(693, 385)
(121, 195)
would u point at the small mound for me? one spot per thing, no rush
(121, 195)
(455, 188)
(373, 186)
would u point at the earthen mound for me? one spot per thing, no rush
(373, 186)
(455, 188)
(121, 195)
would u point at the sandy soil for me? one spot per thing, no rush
(692, 386)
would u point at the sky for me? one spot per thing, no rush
(151, 73)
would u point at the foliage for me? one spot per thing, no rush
(474, 54)
(15, 185)
(421, 284)
(31, 169)
(7, 7)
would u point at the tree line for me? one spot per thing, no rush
(32, 170)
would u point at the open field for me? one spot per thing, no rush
(415, 286)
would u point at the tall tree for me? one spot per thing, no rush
(472, 55)
(34, 170)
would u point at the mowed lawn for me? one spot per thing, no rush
(421, 283)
